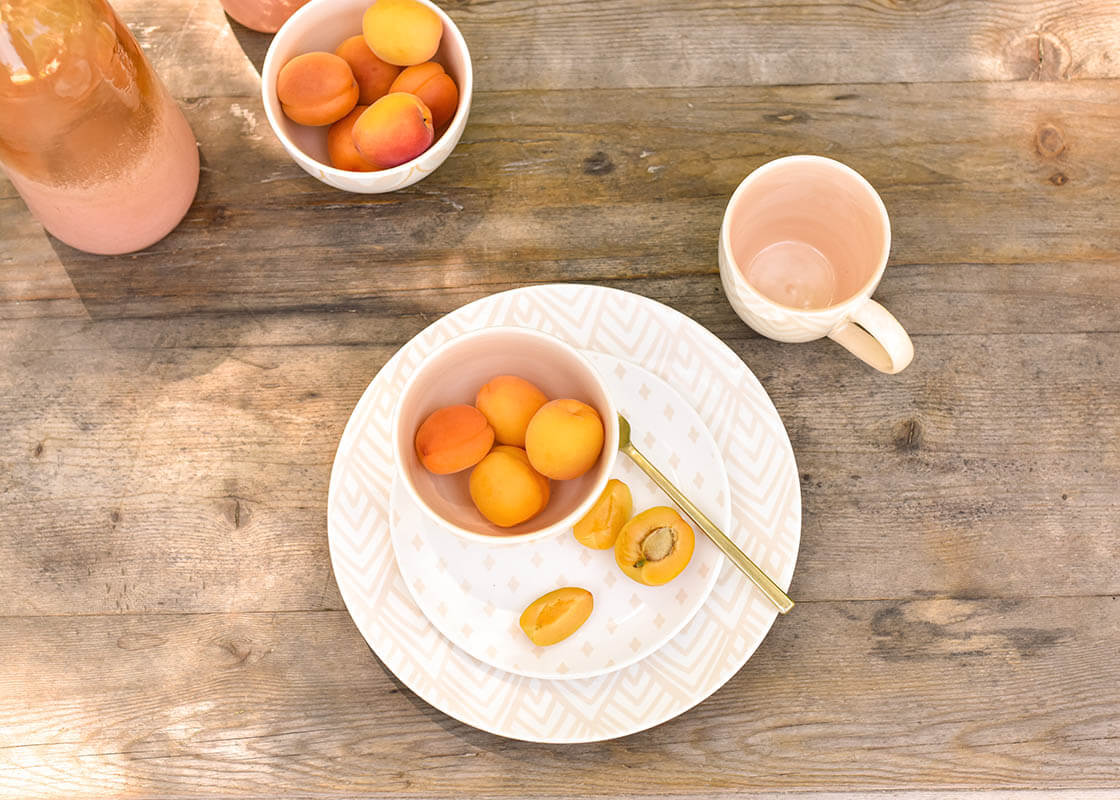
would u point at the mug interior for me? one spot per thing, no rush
(807, 232)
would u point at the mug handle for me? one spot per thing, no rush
(872, 334)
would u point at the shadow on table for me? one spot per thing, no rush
(253, 43)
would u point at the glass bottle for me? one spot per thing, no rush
(265, 16)
(89, 136)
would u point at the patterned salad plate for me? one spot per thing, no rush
(765, 504)
(474, 594)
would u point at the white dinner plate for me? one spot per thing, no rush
(474, 594)
(713, 646)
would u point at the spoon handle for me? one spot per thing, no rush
(729, 548)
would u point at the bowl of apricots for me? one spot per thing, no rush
(368, 95)
(505, 435)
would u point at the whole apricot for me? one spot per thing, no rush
(655, 546)
(508, 403)
(402, 32)
(373, 75)
(600, 526)
(316, 89)
(506, 489)
(395, 129)
(340, 144)
(452, 439)
(557, 615)
(564, 439)
(435, 87)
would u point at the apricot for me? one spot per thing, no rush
(655, 546)
(508, 403)
(340, 144)
(506, 489)
(564, 439)
(600, 526)
(373, 75)
(395, 129)
(316, 89)
(452, 439)
(435, 87)
(402, 32)
(557, 615)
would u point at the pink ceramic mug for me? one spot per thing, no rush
(803, 245)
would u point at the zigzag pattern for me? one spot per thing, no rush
(765, 501)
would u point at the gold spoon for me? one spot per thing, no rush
(737, 556)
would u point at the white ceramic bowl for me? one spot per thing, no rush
(323, 25)
(453, 374)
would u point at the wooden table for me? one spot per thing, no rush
(169, 623)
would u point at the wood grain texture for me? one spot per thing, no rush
(195, 477)
(169, 623)
(521, 44)
(988, 186)
(933, 695)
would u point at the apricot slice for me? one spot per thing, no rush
(557, 615)
(564, 439)
(316, 89)
(395, 129)
(506, 489)
(655, 546)
(600, 526)
(373, 75)
(340, 144)
(508, 403)
(402, 32)
(452, 439)
(435, 87)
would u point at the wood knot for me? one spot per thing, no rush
(908, 435)
(1059, 179)
(1049, 141)
(598, 164)
(1038, 56)
(238, 511)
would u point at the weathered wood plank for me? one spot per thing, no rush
(968, 173)
(930, 695)
(147, 474)
(520, 44)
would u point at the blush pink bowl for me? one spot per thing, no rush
(453, 374)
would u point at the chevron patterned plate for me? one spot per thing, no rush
(765, 501)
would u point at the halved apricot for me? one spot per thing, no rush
(600, 526)
(557, 615)
(506, 489)
(655, 546)
(452, 439)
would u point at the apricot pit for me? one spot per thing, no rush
(655, 546)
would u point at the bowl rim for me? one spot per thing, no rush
(610, 441)
(270, 68)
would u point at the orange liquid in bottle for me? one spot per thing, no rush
(90, 138)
